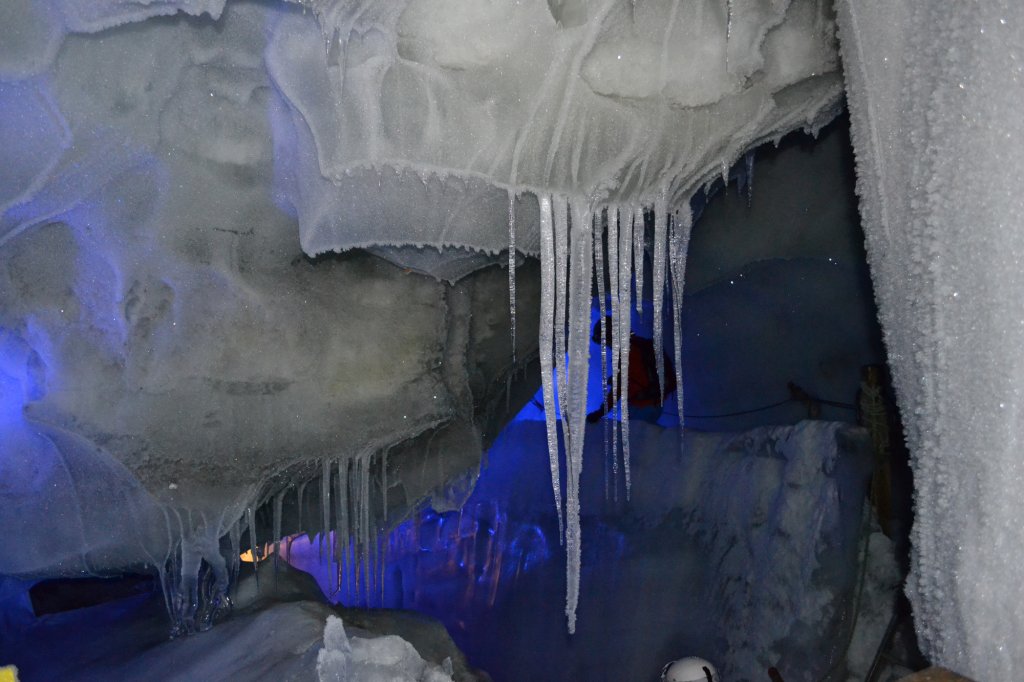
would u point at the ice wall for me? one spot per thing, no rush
(935, 96)
(165, 164)
(167, 351)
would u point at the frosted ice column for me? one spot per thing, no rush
(935, 100)
(547, 331)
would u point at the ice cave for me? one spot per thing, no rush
(511, 340)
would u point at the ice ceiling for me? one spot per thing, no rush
(168, 357)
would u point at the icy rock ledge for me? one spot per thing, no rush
(382, 659)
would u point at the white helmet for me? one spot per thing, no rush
(689, 669)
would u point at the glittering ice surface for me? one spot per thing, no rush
(935, 97)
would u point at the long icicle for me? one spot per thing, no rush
(613, 283)
(598, 239)
(365, 495)
(580, 302)
(325, 508)
(512, 270)
(660, 240)
(341, 522)
(278, 510)
(351, 522)
(679, 245)
(384, 522)
(547, 332)
(639, 233)
(626, 236)
(253, 546)
(559, 207)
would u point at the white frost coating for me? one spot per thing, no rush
(935, 99)
(91, 16)
(547, 332)
(660, 239)
(629, 100)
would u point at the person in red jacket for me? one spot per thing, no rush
(644, 396)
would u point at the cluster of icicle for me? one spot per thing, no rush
(355, 547)
(573, 255)
(196, 577)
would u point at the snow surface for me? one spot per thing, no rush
(935, 96)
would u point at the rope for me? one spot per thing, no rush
(741, 412)
(763, 408)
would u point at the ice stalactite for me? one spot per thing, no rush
(278, 512)
(678, 245)
(616, 310)
(580, 282)
(566, 233)
(560, 214)
(195, 576)
(639, 233)
(300, 493)
(603, 322)
(748, 163)
(658, 273)
(572, 250)
(250, 518)
(547, 333)
(627, 239)
(343, 534)
(512, 270)
(325, 505)
(235, 542)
